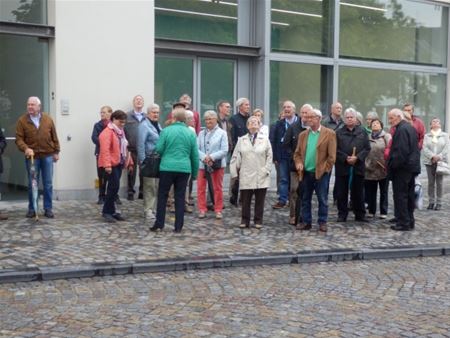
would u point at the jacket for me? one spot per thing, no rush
(375, 163)
(109, 155)
(98, 128)
(147, 138)
(213, 143)
(325, 151)
(420, 129)
(177, 146)
(328, 122)
(291, 140)
(440, 148)
(131, 130)
(277, 138)
(252, 163)
(226, 125)
(347, 140)
(43, 140)
(2, 149)
(238, 127)
(404, 154)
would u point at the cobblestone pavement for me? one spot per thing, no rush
(390, 298)
(78, 235)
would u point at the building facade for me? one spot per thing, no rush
(79, 55)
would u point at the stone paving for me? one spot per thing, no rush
(390, 298)
(78, 235)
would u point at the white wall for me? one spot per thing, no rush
(102, 54)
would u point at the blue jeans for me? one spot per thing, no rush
(285, 176)
(113, 185)
(320, 186)
(43, 165)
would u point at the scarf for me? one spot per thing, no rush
(123, 143)
(376, 134)
(434, 135)
(156, 125)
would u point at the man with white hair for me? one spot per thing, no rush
(314, 158)
(334, 120)
(36, 137)
(403, 165)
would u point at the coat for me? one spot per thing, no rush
(109, 155)
(2, 149)
(214, 144)
(440, 148)
(238, 128)
(252, 163)
(98, 128)
(277, 134)
(347, 140)
(131, 130)
(375, 163)
(325, 151)
(147, 136)
(291, 140)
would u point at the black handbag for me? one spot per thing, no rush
(150, 166)
(217, 164)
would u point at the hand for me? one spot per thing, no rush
(299, 167)
(29, 152)
(435, 158)
(108, 170)
(55, 157)
(351, 160)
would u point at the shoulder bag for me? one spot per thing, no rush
(150, 166)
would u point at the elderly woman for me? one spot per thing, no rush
(148, 136)
(113, 157)
(212, 149)
(264, 130)
(252, 161)
(435, 149)
(177, 146)
(375, 173)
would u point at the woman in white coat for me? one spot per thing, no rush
(252, 161)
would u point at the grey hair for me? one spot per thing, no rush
(189, 115)
(291, 103)
(187, 97)
(34, 98)
(152, 106)
(179, 114)
(372, 115)
(398, 112)
(350, 111)
(251, 118)
(209, 114)
(258, 110)
(359, 117)
(317, 112)
(308, 106)
(241, 101)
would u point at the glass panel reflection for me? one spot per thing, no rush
(28, 11)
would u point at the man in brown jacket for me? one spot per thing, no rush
(36, 137)
(314, 158)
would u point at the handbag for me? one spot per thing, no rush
(150, 166)
(217, 164)
(442, 168)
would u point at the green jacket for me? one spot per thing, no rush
(177, 146)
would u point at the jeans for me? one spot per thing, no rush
(42, 165)
(285, 175)
(320, 186)
(113, 185)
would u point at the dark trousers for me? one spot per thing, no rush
(179, 182)
(113, 185)
(132, 176)
(404, 198)
(298, 204)
(356, 195)
(246, 197)
(320, 186)
(102, 179)
(371, 188)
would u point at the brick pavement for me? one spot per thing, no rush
(390, 298)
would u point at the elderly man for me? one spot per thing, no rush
(314, 158)
(282, 155)
(417, 124)
(238, 124)
(352, 149)
(334, 120)
(403, 165)
(36, 137)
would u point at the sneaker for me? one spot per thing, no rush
(383, 216)
(258, 226)
(201, 214)
(371, 216)
(278, 205)
(109, 218)
(49, 213)
(242, 225)
(118, 217)
(30, 214)
(188, 209)
(149, 215)
(219, 215)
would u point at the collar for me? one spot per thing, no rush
(317, 131)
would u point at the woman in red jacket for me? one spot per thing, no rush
(113, 157)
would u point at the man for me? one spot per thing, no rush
(417, 124)
(282, 155)
(223, 112)
(290, 142)
(403, 165)
(36, 137)
(334, 120)
(134, 118)
(238, 128)
(314, 158)
(352, 149)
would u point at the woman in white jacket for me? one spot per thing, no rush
(252, 161)
(435, 149)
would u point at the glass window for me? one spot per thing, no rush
(381, 90)
(197, 20)
(217, 83)
(173, 77)
(301, 83)
(28, 11)
(23, 64)
(301, 26)
(397, 30)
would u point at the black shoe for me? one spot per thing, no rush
(130, 197)
(412, 225)
(117, 200)
(101, 200)
(109, 218)
(431, 206)
(398, 227)
(437, 207)
(141, 196)
(118, 217)
(177, 231)
(233, 201)
(393, 220)
(49, 213)
(156, 228)
(362, 219)
(341, 219)
(30, 214)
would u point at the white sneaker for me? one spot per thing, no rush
(149, 215)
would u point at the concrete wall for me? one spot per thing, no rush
(102, 54)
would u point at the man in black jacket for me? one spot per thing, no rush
(352, 149)
(403, 165)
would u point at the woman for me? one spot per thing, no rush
(264, 130)
(148, 135)
(212, 149)
(252, 160)
(177, 146)
(375, 173)
(435, 149)
(113, 158)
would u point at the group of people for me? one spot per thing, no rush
(305, 149)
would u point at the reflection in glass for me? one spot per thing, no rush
(381, 90)
(397, 30)
(301, 26)
(197, 20)
(28, 11)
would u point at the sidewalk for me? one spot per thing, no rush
(79, 243)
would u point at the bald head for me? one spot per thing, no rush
(395, 116)
(33, 105)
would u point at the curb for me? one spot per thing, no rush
(193, 263)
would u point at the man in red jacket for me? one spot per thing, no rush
(417, 123)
